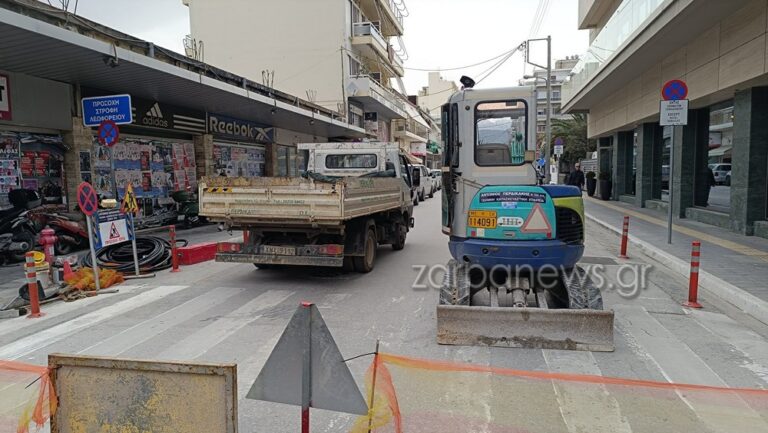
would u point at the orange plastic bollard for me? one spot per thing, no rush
(693, 284)
(174, 252)
(624, 236)
(34, 298)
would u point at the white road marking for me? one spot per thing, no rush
(203, 340)
(143, 331)
(580, 403)
(744, 340)
(37, 341)
(57, 309)
(678, 363)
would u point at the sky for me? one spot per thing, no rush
(438, 33)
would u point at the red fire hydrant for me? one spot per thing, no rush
(47, 240)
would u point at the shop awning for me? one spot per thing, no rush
(720, 151)
(38, 47)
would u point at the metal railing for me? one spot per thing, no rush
(630, 16)
(368, 29)
(376, 89)
(410, 125)
(397, 11)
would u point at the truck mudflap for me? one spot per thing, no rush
(519, 314)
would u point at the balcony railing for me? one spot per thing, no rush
(630, 16)
(410, 125)
(395, 10)
(368, 29)
(380, 93)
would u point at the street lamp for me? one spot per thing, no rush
(548, 67)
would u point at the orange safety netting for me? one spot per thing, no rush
(26, 396)
(415, 395)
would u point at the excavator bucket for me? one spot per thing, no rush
(534, 328)
(567, 317)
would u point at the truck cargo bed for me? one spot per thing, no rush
(295, 200)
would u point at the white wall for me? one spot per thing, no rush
(300, 40)
(436, 93)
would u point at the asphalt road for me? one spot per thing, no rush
(220, 312)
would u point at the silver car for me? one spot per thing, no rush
(721, 172)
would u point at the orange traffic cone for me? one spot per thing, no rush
(67, 270)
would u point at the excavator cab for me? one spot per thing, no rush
(514, 278)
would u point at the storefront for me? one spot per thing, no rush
(34, 113)
(239, 146)
(155, 154)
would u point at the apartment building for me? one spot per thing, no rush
(719, 49)
(560, 74)
(435, 94)
(344, 55)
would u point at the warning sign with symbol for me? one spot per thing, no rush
(112, 228)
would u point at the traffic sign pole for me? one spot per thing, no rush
(671, 195)
(133, 245)
(673, 114)
(89, 221)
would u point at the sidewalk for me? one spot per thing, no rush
(733, 267)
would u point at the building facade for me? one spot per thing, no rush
(344, 55)
(189, 119)
(560, 74)
(719, 50)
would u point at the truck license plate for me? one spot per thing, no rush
(485, 219)
(281, 251)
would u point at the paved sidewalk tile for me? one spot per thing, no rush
(739, 260)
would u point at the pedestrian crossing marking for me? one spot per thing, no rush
(46, 337)
(222, 328)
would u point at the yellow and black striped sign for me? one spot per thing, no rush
(217, 189)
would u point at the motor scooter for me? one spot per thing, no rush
(189, 207)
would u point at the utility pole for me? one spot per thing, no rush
(548, 127)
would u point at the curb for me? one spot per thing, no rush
(746, 302)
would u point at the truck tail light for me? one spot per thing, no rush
(229, 247)
(332, 249)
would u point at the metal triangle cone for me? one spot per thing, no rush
(331, 385)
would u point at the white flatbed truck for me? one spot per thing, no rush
(352, 198)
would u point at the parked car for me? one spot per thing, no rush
(721, 171)
(437, 177)
(427, 186)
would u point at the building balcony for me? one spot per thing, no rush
(410, 129)
(388, 12)
(638, 34)
(373, 45)
(375, 97)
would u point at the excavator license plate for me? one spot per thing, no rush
(485, 219)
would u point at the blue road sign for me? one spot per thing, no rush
(116, 108)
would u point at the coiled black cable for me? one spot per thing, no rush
(154, 254)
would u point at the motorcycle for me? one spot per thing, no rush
(70, 230)
(9, 247)
(189, 206)
(16, 221)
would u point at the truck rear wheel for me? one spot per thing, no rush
(401, 231)
(364, 264)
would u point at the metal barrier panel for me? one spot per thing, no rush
(105, 394)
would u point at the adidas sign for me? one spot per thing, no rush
(154, 117)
